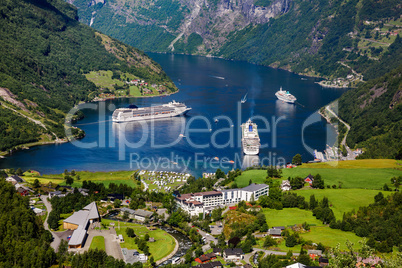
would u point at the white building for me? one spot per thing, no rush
(197, 203)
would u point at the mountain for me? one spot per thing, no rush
(47, 57)
(325, 38)
(374, 112)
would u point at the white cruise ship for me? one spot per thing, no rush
(285, 96)
(250, 139)
(149, 113)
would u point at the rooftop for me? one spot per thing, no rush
(78, 236)
(254, 187)
(233, 251)
(143, 213)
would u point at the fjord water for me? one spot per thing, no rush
(211, 87)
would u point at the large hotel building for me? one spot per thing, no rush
(205, 202)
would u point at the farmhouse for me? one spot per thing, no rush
(285, 186)
(309, 179)
(275, 233)
(233, 254)
(14, 179)
(79, 222)
(214, 264)
(205, 258)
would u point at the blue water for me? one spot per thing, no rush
(212, 88)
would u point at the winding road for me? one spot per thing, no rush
(350, 154)
(56, 239)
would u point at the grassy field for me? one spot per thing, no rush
(257, 176)
(290, 217)
(163, 245)
(117, 177)
(331, 237)
(134, 91)
(325, 235)
(103, 79)
(98, 242)
(363, 174)
(318, 232)
(343, 200)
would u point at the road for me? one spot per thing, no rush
(350, 154)
(112, 244)
(31, 119)
(56, 239)
(248, 257)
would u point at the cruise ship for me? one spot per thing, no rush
(285, 96)
(250, 140)
(149, 113)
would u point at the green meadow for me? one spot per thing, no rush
(117, 177)
(343, 200)
(289, 217)
(362, 174)
(98, 242)
(164, 243)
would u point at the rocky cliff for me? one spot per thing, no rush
(176, 21)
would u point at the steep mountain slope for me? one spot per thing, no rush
(45, 53)
(326, 38)
(374, 112)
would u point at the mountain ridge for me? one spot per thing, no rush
(46, 53)
(310, 38)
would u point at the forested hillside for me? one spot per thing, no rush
(325, 38)
(374, 112)
(23, 240)
(45, 53)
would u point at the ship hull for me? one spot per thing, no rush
(171, 109)
(250, 139)
(151, 117)
(284, 99)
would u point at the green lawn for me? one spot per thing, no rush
(363, 174)
(364, 178)
(289, 217)
(331, 237)
(134, 91)
(103, 79)
(343, 200)
(164, 243)
(117, 177)
(318, 232)
(257, 176)
(98, 242)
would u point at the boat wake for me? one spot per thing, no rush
(218, 77)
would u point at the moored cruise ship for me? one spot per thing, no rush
(285, 96)
(149, 113)
(250, 139)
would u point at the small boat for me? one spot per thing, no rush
(244, 99)
(216, 158)
(231, 161)
(181, 135)
(216, 120)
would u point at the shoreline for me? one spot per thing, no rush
(129, 97)
(27, 146)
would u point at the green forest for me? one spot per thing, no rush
(374, 112)
(45, 54)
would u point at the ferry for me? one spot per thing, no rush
(133, 113)
(250, 139)
(285, 96)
